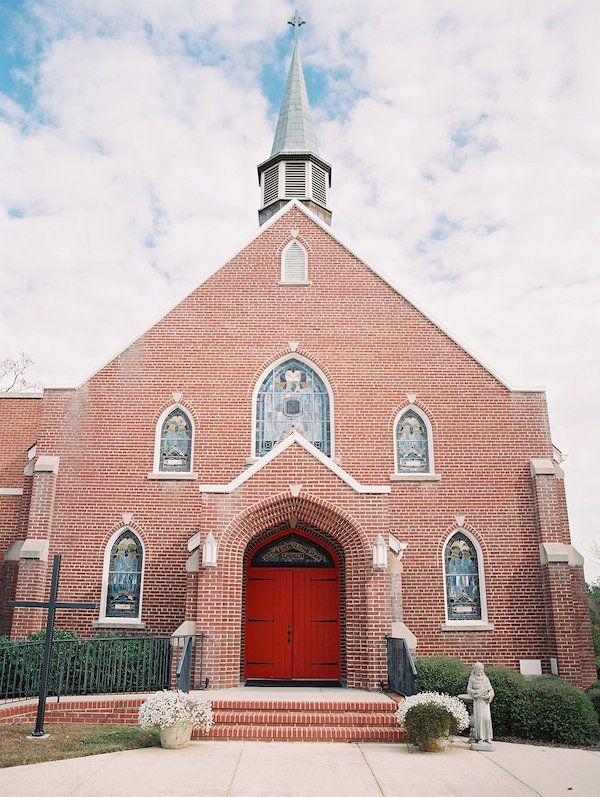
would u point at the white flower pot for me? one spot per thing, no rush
(176, 736)
(438, 745)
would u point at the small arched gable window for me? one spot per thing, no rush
(123, 576)
(414, 445)
(174, 442)
(294, 264)
(292, 397)
(463, 575)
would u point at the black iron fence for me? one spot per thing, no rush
(402, 673)
(103, 665)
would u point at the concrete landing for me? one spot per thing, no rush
(292, 694)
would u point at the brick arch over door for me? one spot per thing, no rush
(221, 590)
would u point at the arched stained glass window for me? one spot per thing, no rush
(176, 442)
(412, 443)
(462, 573)
(124, 576)
(292, 398)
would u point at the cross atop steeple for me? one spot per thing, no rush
(296, 21)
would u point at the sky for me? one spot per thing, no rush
(465, 143)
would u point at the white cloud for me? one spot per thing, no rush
(465, 154)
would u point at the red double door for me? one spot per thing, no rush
(292, 621)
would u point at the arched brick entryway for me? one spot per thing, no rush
(220, 591)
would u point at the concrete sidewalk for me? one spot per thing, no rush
(287, 769)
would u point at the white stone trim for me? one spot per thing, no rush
(415, 477)
(11, 491)
(466, 625)
(430, 456)
(169, 475)
(35, 549)
(283, 281)
(542, 467)
(294, 438)
(13, 552)
(103, 620)
(320, 223)
(46, 464)
(157, 473)
(473, 625)
(291, 356)
(21, 395)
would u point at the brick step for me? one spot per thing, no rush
(331, 718)
(305, 705)
(336, 733)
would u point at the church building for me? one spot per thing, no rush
(298, 462)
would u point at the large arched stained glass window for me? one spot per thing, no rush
(124, 576)
(412, 443)
(176, 442)
(462, 574)
(292, 397)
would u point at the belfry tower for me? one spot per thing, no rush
(294, 169)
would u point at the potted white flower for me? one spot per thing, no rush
(176, 713)
(430, 719)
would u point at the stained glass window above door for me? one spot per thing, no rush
(124, 577)
(176, 442)
(292, 550)
(463, 593)
(292, 398)
(412, 443)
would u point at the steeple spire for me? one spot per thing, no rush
(294, 169)
(295, 131)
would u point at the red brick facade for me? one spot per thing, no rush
(375, 348)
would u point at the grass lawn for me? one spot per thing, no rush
(70, 741)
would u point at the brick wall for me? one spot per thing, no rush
(19, 422)
(375, 348)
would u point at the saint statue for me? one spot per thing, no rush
(480, 689)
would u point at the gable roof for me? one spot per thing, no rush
(295, 439)
(294, 203)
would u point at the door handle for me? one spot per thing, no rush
(289, 633)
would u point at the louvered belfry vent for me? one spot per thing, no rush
(294, 266)
(271, 184)
(319, 185)
(295, 179)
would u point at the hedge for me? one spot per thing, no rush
(545, 708)
(593, 693)
(555, 711)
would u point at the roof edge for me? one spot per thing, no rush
(313, 217)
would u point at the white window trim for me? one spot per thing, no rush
(416, 476)
(292, 356)
(282, 280)
(466, 625)
(184, 474)
(121, 621)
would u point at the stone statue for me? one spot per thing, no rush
(480, 690)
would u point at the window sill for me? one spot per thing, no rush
(173, 476)
(467, 626)
(114, 625)
(294, 284)
(415, 477)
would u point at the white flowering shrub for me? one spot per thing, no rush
(167, 708)
(453, 706)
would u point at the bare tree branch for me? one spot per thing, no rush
(12, 374)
